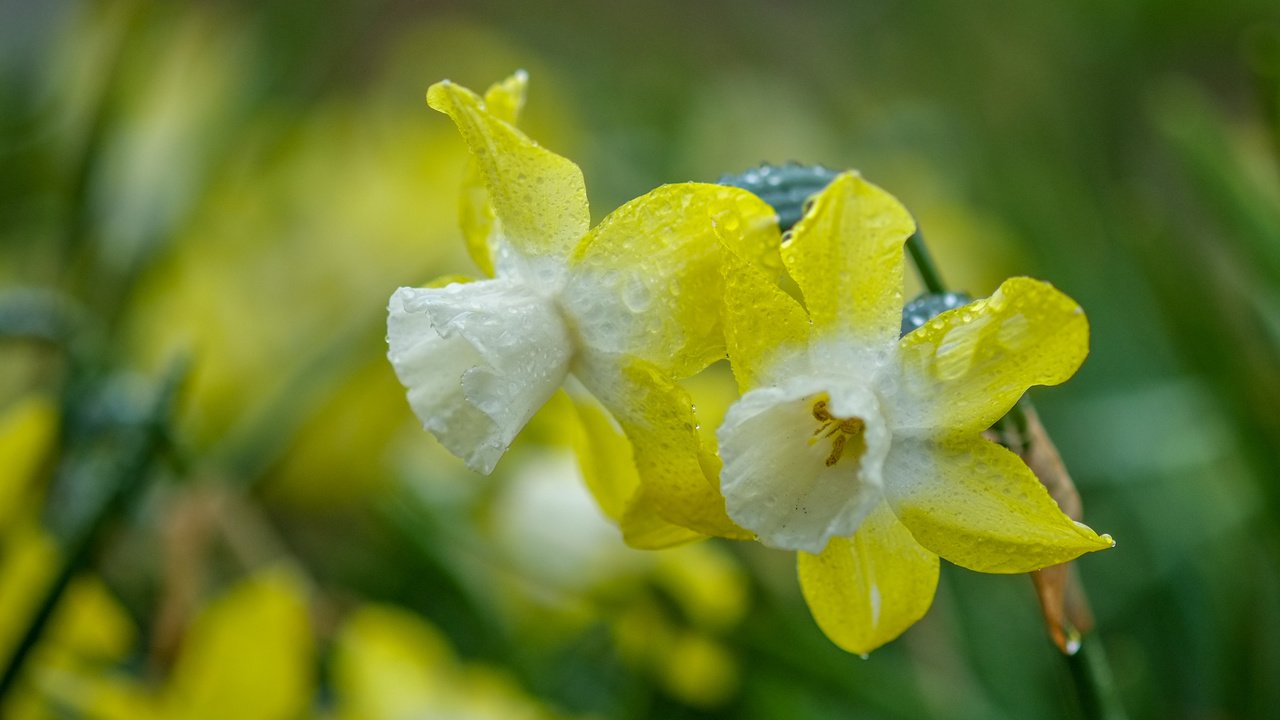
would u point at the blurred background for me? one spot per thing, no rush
(214, 501)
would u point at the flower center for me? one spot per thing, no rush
(847, 434)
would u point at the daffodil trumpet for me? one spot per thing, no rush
(863, 450)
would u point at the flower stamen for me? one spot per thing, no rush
(841, 430)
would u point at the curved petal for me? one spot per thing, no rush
(478, 360)
(867, 589)
(608, 468)
(676, 473)
(646, 281)
(967, 367)
(603, 451)
(644, 528)
(979, 506)
(784, 477)
(765, 330)
(539, 198)
(503, 101)
(846, 256)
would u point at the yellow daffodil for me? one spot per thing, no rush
(863, 451)
(623, 308)
(390, 664)
(249, 654)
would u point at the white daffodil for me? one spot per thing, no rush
(863, 451)
(623, 307)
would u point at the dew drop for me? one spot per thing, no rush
(1014, 332)
(954, 355)
(636, 295)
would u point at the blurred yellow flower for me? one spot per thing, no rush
(248, 655)
(390, 664)
(89, 628)
(27, 431)
(863, 451)
(620, 308)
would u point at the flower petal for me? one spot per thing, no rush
(539, 198)
(867, 589)
(249, 654)
(644, 528)
(765, 329)
(779, 480)
(646, 281)
(503, 101)
(846, 256)
(676, 473)
(967, 367)
(979, 506)
(608, 467)
(478, 360)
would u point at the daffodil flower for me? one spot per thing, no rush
(863, 451)
(623, 308)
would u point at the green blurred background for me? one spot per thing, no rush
(205, 205)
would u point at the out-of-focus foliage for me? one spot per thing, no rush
(241, 185)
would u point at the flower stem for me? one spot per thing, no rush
(929, 274)
(1095, 685)
(1089, 667)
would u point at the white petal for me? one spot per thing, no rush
(478, 359)
(775, 479)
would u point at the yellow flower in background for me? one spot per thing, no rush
(668, 610)
(622, 308)
(863, 451)
(27, 433)
(89, 628)
(390, 664)
(248, 655)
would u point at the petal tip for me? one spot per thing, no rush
(440, 95)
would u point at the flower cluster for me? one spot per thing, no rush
(859, 449)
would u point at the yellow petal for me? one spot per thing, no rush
(699, 670)
(979, 506)
(646, 281)
(609, 471)
(604, 454)
(763, 325)
(92, 623)
(389, 663)
(249, 655)
(707, 582)
(27, 433)
(846, 256)
(967, 367)
(476, 217)
(28, 558)
(677, 476)
(867, 589)
(644, 528)
(503, 100)
(539, 199)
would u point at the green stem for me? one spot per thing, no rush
(928, 269)
(1095, 686)
(132, 470)
(1089, 667)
